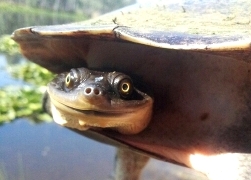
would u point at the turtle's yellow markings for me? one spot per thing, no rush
(217, 167)
(57, 116)
(83, 125)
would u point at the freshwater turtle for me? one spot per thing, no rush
(190, 63)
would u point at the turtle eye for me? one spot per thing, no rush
(122, 84)
(125, 87)
(69, 80)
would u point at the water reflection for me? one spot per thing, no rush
(47, 151)
(7, 80)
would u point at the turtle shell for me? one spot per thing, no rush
(193, 56)
(222, 28)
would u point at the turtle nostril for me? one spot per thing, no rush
(96, 91)
(88, 90)
(92, 91)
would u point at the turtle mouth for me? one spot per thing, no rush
(101, 105)
(127, 121)
(90, 111)
(69, 109)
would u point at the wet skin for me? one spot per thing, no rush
(86, 99)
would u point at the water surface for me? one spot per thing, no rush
(48, 151)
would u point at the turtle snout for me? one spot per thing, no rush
(92, 91)
(94, 96)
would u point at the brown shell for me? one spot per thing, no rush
(222, 28)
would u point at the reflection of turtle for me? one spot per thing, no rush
(191, 58)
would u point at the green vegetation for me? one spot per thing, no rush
(16, 14)
(13, 16)
(31, 73)
(23, 9)
(86, 7)
(8, 46)
(21, 102)
(26, 100)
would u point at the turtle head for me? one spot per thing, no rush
(85, 99)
